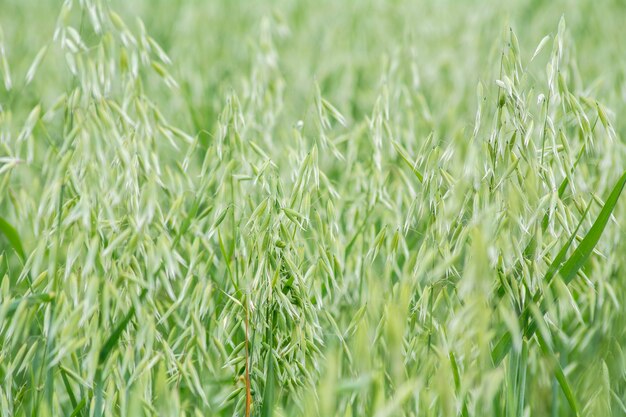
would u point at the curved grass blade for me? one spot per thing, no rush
(106, 350)
(114, 337)
(30, 300)
(558, 370)
(557, 262)
(504, 344)
(79, 408)
(570, 268)
(404, 155)
(531, 246)
(501, 348)
(457, 382)
(69, 390)
(13, 237)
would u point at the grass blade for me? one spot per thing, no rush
(404, 155)
(267, 409)
(117, 333)
(13, 237)
(558, 370)
(79, 408)
(573, 264)
(457, 382)
(589, 242)
(68, 388)
(30, 300)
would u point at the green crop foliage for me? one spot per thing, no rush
(312, 208)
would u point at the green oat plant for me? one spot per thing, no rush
(312, 208)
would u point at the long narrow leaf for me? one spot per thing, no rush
(558, 370)
(114, 337)
(569, 268)
(584, 249)
(13, 238)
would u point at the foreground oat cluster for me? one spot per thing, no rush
(312, 208)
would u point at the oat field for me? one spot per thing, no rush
(312, 208)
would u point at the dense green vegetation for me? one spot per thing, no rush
(312, 208)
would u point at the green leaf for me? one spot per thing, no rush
(585, 248)
(267, 409)
(268, 394)
(557, 262)
(501, 348)
(117, 333)
(69, 390)
(13, 237)
(403, 154)
(558, 370)
(79, 408)
(570, 268)
(457, 381)
(30, 300)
